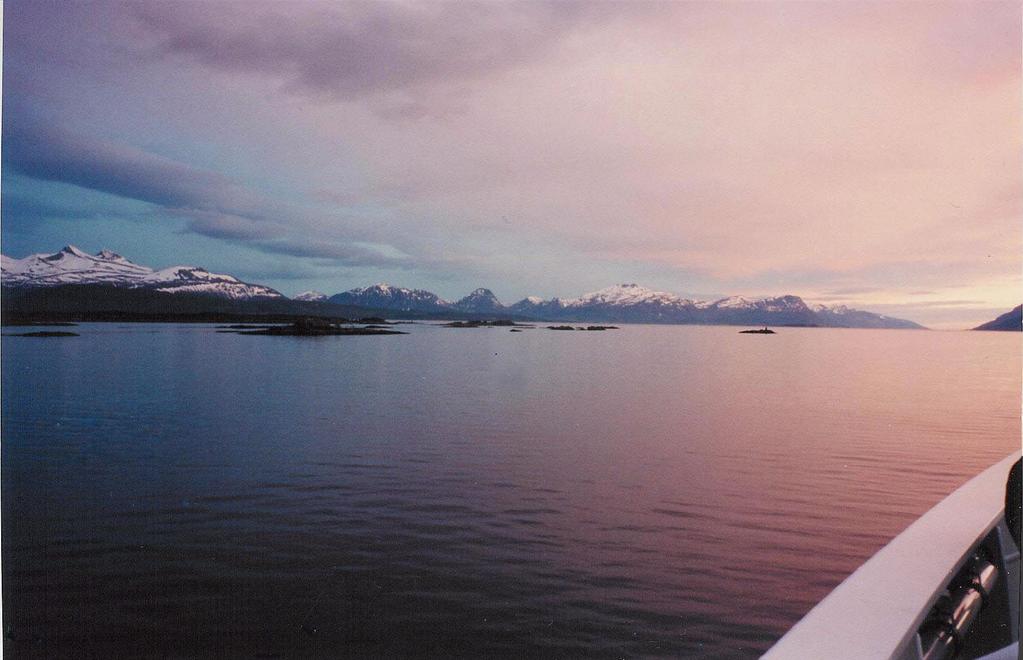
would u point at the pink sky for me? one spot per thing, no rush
(858, 153)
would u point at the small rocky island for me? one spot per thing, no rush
(41, 333)
(315, 327)
(764, 331)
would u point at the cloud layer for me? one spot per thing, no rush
(345, 51)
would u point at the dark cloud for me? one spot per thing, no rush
(227, 226)
(211, 203)
(51, 153)
(346, 253)
(348, 50)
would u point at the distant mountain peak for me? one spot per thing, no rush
(733, 301)
(71, 249)
(786, 303)
(310, 296)
(480, 301)
(386, 296)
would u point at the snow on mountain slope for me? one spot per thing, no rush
(777, 304)
(311, 296)
(732, 302)
(73, 266)
(830, 309)
(626, 294)
(189, 279)
(70, 266)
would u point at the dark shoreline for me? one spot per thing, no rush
(43, 334)
(71, 319)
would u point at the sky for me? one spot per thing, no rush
(859, 153)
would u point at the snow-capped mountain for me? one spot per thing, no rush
(480, 301)
(73, 266)
(70, 266)
(633, 303)
(385, 296)
(780, 310)
(310, 296)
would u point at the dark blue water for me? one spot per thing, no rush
(169, 491)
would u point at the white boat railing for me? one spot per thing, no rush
(878, 610)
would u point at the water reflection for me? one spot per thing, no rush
(655, 490)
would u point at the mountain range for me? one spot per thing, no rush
(626, 303)
(71, 278)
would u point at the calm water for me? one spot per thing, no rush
(653, 491)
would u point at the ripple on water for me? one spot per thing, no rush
(676, 496)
